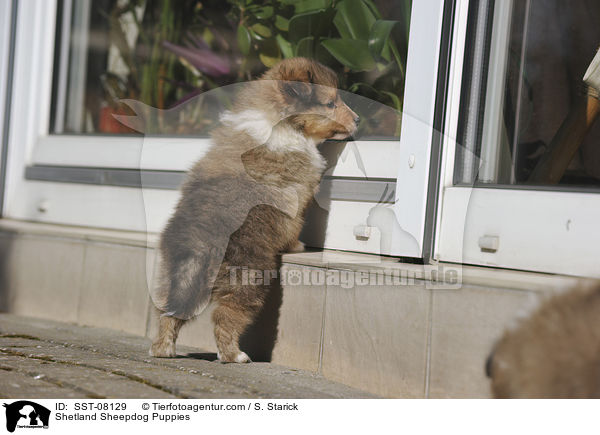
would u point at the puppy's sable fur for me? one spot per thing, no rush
(243, 203)
(555, 353)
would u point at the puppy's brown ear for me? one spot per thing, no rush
(295, 76)
(296, 91)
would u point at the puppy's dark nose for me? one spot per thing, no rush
(357, 119)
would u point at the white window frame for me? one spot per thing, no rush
(405, 161)
(536, 230)
(5, 28)
(6, 16)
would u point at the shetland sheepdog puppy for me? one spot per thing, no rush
(244, 201)
(554, 353)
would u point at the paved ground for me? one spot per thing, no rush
(45, 359)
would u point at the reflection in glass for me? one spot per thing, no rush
(528, 118)
(164, 52)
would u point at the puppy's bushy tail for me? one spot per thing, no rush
(185, 285)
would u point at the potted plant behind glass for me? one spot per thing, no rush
(187, 47)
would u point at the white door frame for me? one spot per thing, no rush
(537, 230)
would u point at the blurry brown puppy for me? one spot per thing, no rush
(244, 202)
(555, 353)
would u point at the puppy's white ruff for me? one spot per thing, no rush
(277, 136)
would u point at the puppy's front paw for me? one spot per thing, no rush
(298, 247)
(162, 350)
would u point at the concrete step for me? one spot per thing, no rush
(408, 335)
(48, 359)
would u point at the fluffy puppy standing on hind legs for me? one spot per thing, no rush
(243, 203)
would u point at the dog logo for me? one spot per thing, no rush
(26, 414)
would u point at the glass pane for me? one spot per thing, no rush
(163, 53)
(528, 118)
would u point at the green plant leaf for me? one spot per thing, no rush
(374, 9)
(379, 36)
(351, 53)
(406, 13)
(354, 19)
(386, 52)
(254, 35)
(208, 36)
(395, 99)
(324, 56)
(243, 39)
(282, 23)
(264, 13)
(302, 6)
(268, 61)
(270, 53)
(365, 89)
(305, 47)
(285, 47)
(314, 23)
(261, 30)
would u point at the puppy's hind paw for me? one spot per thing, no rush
(241, 357)
(163, 350)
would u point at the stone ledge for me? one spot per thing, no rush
(328, 259)
(471, 275)
(130, 238)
